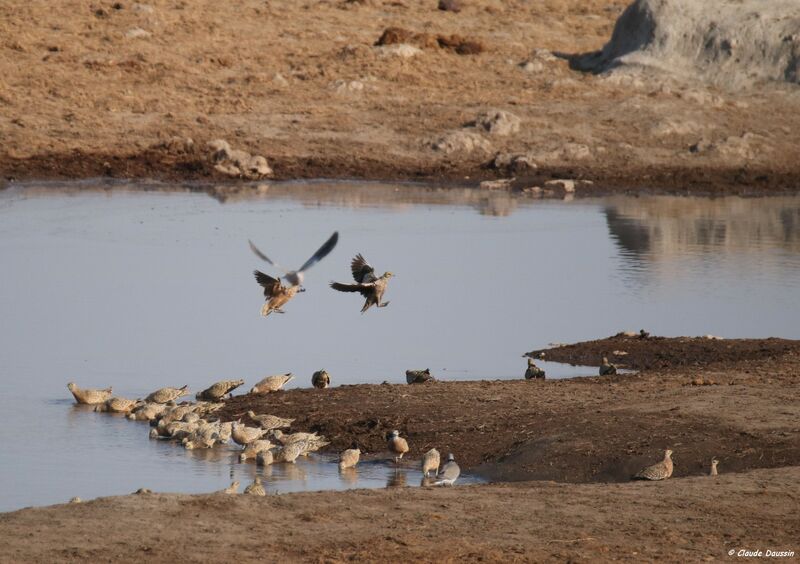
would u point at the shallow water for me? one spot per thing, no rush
(145, 289)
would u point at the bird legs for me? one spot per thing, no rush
(384, 304)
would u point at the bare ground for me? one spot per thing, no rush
(116, 88)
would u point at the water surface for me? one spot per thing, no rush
(145, 289)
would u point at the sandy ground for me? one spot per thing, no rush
(684, 520)
(116, 88)
(565, 449)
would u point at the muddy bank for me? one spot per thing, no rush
(739, 408)
(692, 519)
(117, 90)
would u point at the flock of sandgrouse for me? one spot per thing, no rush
(194, 425)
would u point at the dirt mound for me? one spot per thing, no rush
(640, 353)
(730, 43)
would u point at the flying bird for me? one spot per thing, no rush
(369, 285)
(295, 277)
(278, 294)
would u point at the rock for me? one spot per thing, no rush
(450, 6)
(514, 162)
(347, 87)
(561, 183)
(498, 122)
(279, 81)
(502, 184)
(142, 8)
(462, 142)
(137, 33)
(402, 50)
(531, 66)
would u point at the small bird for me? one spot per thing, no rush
(232, 489)
(397, 445)
(255, 488)
(271, 384)
(450, 472)
(369, 285)
(430, 462)
(117, 405)
(276, 293)
(295, 277)
(349, 458)
(606, 368)
(321, 379)
(163, 395)
(252, 449)
(269, 422)
(291, 451)
(264, 458)
(218, 390)
(714, 463)
(88, 396)
(533, 372)
(243, 435)
(419, 376)
(659, 471)
(643, 334)
(285, 439)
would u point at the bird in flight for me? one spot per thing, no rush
(278, 294)
(369, 285)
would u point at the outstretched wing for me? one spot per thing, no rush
(366, 290)
(362, 270)
(262, 256)
(322, 252)
(270, 284)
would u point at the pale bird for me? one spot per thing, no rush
(397, 445)
(606, 368)
(276, 294)
(219, 390)
(147, 412)
(349, 458)
(164, 395)
(533, 372)
(255, 488)
(88, 396)
(271, 384)
(659, 471)
(321, 379)
(291, 451)
(430, 462)
(232, 489)
(449, 474)
(253, 448)
(117, 405)
(714, 463)
(285, 439)
(243, 435)
(369, 285)
(419, 376)
(269, 422)
(295, 277)
(264, 458)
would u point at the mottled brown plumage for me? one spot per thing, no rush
(430, 462)
(271, 384)
(255, 488)
(419, 376)
(88, 396)
(369, 285)
(164, 395)
(659, 471)
(269, 422)
(218, 390)
(276, 293)
(349, 458)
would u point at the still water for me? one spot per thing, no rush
(143, 289)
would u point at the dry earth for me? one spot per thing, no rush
(93, 88)
(562, 445)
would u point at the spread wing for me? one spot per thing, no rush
(321, 253)
(262, 256)
(365, 289)
(271, 285)
(362, 270)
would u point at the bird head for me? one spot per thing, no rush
(71, 386)
(394, 434)
(451, 458)
(668, 453)
(714, 462)
(388, 274)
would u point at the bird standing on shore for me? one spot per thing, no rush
(606, 368)
(430, 462)
(255, 488)
(714, 463)
(533, 372)
(271, 384)
(321, 379)
(419, 376)
(349, 458)
(218, 390)
(659, 471)
(164, 395)
(369, 285)
(269, 422)
(450, 472)
(397, 446)
(278, 294)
